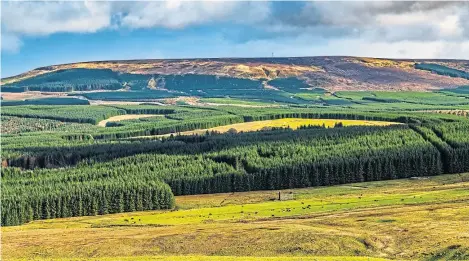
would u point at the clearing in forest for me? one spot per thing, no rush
(21, 96)
(293, 123)
(126, 117)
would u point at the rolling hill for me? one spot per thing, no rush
(195, 76)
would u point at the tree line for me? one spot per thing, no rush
(217, 163)
(59, 200)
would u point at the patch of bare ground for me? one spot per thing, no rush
(101, 102)
(127, 117)
(265, 85)
(192, 100)
(464, 113)
(238, 105)
(30, 95)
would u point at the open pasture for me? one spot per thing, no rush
(360, 221)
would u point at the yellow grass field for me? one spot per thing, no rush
(409, 219)
(293, 123)
(126, 117)
(220, 258)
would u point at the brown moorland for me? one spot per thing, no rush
(332, 73)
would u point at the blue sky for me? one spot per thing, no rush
(39, 33)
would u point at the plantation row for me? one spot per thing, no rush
(442, 70)
(72, 113)
(177, 118)
(257, 114)
(58, 200)
(168, 126)
(14, 125)
(106, 174)
(67, 81)
(47, 101)
(217, 163)
(456, 135)
(460, 91)
(28, 152)
(94, 114)
(80, 79)
(415, 98)
(194, 118)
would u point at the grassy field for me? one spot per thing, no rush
(293, 123)
(412, 219)
(224, 258)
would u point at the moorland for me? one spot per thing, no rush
(185, 160)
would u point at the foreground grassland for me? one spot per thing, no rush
(292, 123)
(411, 219)
(225, 258)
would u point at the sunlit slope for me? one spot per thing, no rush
(387, 219)
(222, 258)
(330, 73)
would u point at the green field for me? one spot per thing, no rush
(416, 98)
(383, 220)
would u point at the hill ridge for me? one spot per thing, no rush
(333, 73)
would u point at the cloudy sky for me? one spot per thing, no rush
(35, 34)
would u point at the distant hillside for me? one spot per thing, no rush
(192, 76)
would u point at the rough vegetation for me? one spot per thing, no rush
(386, 220)
(330, 73)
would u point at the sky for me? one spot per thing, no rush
(41, 33)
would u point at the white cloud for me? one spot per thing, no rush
(47, 17)
(175, 14)
(359, 47)
(454, 50)
(40, 18)
(10, 43)
(44, 18)
(393, 29)
(382, 20)
(310, 45)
